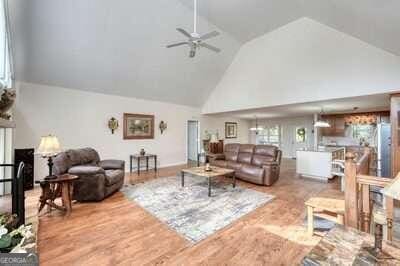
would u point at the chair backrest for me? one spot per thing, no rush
(264, 154)
(246, 153)
(65, 160)
(231, 152)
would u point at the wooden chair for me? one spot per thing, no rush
(326, 208)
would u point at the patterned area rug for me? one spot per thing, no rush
(189, 210)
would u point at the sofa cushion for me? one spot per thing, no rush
(85, 170)
(245, 158)
(234, 165)
(266, 150)
(61, 164)
(113, 177)
(245, 153)
(112, 164)
(231, 152)
(260, 160)
(246, 148)
(264, 154)
(83, 156)
(219, 163)
(251, 173)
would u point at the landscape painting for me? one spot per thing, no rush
(138, 126)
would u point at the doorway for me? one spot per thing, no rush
(193, 141)
(298, 137)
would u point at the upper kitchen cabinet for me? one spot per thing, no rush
(337, 128)
(338, 122)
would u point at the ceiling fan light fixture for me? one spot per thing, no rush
(195, 40)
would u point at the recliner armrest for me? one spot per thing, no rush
(85, 170)
(219, 156)
(112, 164)
(272, 163)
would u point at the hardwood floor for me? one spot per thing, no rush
(116, 231)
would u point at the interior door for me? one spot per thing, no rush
(294, 140)
(193, 140)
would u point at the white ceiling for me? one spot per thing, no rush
(373, 21)
(379, 102)
(117, 47)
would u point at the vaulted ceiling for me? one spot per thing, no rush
(374, 22)
(118, 47)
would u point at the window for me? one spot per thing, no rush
(363, 133)
(270, 135)
(5, 55)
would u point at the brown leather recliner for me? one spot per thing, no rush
(259, 164)
(97, 179)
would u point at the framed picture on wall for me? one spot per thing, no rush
(301, 134)
(230, 130)
(138, 126)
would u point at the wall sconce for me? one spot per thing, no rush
(113, 124)
(163, 126)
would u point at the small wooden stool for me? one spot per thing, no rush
(326, 208)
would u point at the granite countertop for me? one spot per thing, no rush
(347, 246)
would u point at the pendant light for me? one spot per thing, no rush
(257, 128)
(320, 123)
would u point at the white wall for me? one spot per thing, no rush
(117, 47)
(288, 131)
(303, 61)
(79, 119)
(217, 124)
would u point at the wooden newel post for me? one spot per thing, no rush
(350, 192)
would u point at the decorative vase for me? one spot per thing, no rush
(142, 152)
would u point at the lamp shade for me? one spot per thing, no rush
(49, 146)
(214, 138)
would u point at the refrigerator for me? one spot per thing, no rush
(384, 150)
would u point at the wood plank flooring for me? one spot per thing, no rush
(116, 231)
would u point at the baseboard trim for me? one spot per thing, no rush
(161, 166)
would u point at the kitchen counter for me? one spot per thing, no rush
(317, 163)
(326, 149)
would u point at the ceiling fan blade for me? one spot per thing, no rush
(209, 35)
(187, 34)
(176, 44)
(212, 48)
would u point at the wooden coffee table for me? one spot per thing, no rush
(215, 172)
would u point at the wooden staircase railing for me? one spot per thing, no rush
(358, 206)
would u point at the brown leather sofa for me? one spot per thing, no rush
(259, 164)
(97, 179)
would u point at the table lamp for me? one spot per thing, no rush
(49, 147)
(214, 138)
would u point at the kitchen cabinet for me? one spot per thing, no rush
(337, 128)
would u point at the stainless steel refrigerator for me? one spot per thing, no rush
(384, 150)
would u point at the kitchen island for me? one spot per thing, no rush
(317, 163)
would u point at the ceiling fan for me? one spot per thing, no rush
(196, 41)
